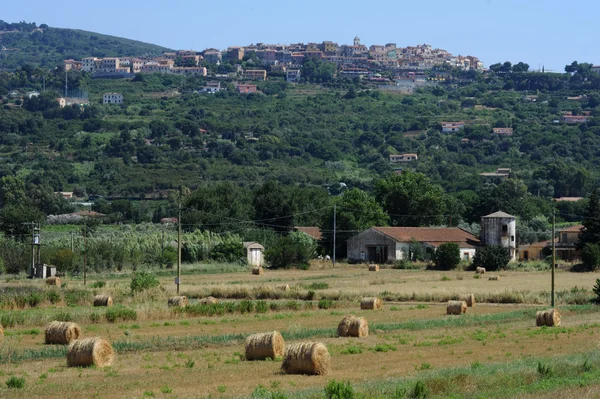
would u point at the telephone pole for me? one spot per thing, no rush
(178, 279)
(84, 254)
(334, 230)
(553, 253)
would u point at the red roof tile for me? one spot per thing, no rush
(314, 232)
(431, 235)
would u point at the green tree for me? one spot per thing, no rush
(492, 257)
(590, 256)
(411, 199)
(273, 206)
(12, 191)
(228, 251)
(447, 256)
(356, 211)
(294, 250)
(13, 217)
(590, 232)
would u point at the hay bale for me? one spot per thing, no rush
(306, 358)
(352, 326)
(494, 278)
(469, 299)
(178, 301)
(257, 270)
(456, 307)
(373, 268)
(283, 287)
(209, 300)
(552, 317)
(103, 300)
(540, 318)
(53, 281)
(264, 345)
(1, 331)
(90, 351)
(480, 270)
(62, 333)
(371, 303)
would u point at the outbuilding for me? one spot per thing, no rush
(254, 253)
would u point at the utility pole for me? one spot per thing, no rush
(72, 239)
(553, 253)
(178, 279)
(334, 230)
(84, 254)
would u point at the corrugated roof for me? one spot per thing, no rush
(314, 232)
(499, 214)
(431, 235)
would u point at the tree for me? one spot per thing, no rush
(590, 256)
(447, 256)
(273, 206)
(12, 191)
(411, 199)
(590, 232)
(12, 218)
(296, 249)
(520, 67)
(228, 251)
(356, 211)
(492, 257)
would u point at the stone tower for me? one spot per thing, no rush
(500, 228)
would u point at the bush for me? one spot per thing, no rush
(120, 313)
(142, 281)
(64, 259)
(262, 307)
(492, 257)
(34, 299)
(590, 256)
(339, 390)
(98, 284)
(325, 304)
(15, 382)
(53, 296)
(63, 316)
(296, 249)
(76, 297)
(169, 257)
(231, 251)
(447, 256)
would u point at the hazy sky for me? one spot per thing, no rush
(540, 32)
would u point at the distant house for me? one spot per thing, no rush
(66, 101)
(503, 131)
(211, 87)
(500, 172)
(313, 232)
(575, 118)
(246, 89)
(112, 98)
(255, 74)
(565, 246)
(403, 158)
(254, 253)
(65, 194)
(568, 199)
(293, 75)
(32, 94)
(451, 127)
(383, 244)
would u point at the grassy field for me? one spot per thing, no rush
(413, 349)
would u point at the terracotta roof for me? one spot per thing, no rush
(314, 232)
(499, 214)
(88, 213)
(576, 229)
(431, 235)
(541, 244)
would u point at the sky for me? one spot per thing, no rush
(549, 33)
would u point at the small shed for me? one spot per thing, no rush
(254, 253)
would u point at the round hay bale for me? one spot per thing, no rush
(469, 299)
(257, 270)
(480, 270)
(90, 351)
(53, 281)
(1, 331)
(62, 333)
(540, 318)
(306, 358)
(103, 300)
(209, 300)
(373, 268)
(283, 287)
(456, 307)
(178, 301)
(371, 303)
(494, 278)
(552, 317)
(352, 326)
(264, 345)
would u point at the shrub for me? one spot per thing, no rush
(294, 250)
(419, 391)
(34, 299)
(63, 316)
(120, 313)
(492, 257)
(53, 296)
(64, 259)
(590, 256)
(447, 256)
(15, 382)
(76, 297)
(142, 281)
(339, 390)
(246, 306)
(231, 251)
(325, 304)
(94, 317)
(98, 284)
(262, 307)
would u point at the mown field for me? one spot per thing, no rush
(413, 349)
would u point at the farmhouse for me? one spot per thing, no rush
(394, 158)
(383, 244)
(565, 246)
(254, 253)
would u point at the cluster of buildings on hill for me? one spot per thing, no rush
(356, 60)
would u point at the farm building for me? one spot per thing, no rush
(500, 228)
(565, 246)
(254, 253)
(312, 231)
(385, 244)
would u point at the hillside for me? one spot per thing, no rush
(45, 46)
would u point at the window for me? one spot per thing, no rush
(512, 238)
(504, 228)
(466, 256)
(564, 237)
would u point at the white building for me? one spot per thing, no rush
(403, 158)
(88, 64)
(254, 253)
(293, 75)
(500, 228)
(112, 98)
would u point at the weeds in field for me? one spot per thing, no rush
(120, 313)
(339, 390)
(15, 382)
